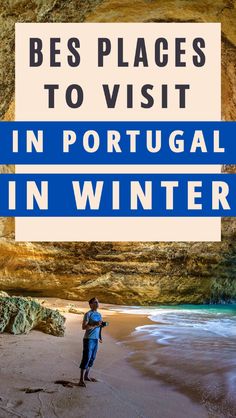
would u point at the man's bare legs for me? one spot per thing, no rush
(82, 377)
(86, 376)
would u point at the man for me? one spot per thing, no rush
(92, 323)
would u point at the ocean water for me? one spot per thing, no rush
(192, 347)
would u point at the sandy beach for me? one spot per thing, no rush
(36, 361)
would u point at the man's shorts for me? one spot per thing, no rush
(90, 347)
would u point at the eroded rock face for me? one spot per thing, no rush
(20, 315)
(3, 294)
(126, 273)
(12, 11)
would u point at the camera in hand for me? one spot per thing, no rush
(105, 324)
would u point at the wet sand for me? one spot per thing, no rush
(37, 360)
(191, 372)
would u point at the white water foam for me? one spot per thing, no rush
(195, 351)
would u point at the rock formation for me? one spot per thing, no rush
(128, 273)
(20, 315)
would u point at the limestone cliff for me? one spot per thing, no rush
(129, 273)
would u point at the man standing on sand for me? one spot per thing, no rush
(92, 323)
